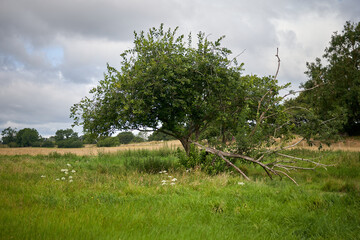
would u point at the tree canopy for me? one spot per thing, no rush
(196, 92)
(337, 84)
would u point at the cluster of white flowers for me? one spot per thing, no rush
(66, 172)
(241, 183)
(172, 181)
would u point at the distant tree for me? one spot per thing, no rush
(67, 139)
(108, 142)
(8, 135)
(28, 137)
(336, 92)
(126, 137)
(160, 136)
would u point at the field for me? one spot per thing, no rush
(123, 195)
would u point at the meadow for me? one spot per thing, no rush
(146, 194)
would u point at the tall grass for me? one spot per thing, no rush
(121, 196)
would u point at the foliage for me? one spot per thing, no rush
(27, 137)
(338, 91)
(48, 143)
(160, 136)
(108, 142)
(67, 139)
(164, 83)
(125, 137)
(8, 135)
(196, 93)
(70, 143)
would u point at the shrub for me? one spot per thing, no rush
(48, 144)
(108, 142)
(70, 143)
(199, 158)
(12, 144)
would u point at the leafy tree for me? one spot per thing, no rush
(160, 136)
(125, 137)
(28, 137)
(108, 142)
(67, 138)
(8, 135)
(337, 84)
(192, 93)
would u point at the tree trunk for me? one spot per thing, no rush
(186, 144)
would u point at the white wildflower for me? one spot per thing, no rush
(164, 171)
(73, 171)
(163, 181)
(43, 176)
(174, 180)
(64, 170)
(170, 176)
(70, 177)
(172, 183)
(63, 178)
(70, 180)
(241, 183)
(160, 172)
(58, 179)
(68, 164)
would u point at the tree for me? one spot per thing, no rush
(125, 137)
(67, 138)
(160, 136)
(8, 135)
(27, 137)
(196, 93)
(338, 91)
(108, 142)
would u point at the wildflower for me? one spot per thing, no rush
(164, 171)
(63, 178)
(43, 176)
(172, 183)
(58, 179)
(174, 180)
(241, 183)
(70, 177)
(73, 171)
(160, 172)
(64, 170)
(187, 170)
(163, 181)
(170, 176)
(68, 164)
(70, 180)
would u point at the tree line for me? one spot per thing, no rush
(67, 138)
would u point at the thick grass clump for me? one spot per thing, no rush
(149, 195)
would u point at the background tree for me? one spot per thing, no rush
(192, 93)
(338, 91)
(28, 137)
(160, 136)
(8, 135)
(67, 138)
(125, 137)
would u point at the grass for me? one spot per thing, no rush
(121, 196)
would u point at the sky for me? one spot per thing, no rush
(53, 52)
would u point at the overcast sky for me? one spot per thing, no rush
(53, 52)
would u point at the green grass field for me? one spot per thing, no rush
(121, 196)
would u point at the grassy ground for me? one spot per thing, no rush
(121, 196)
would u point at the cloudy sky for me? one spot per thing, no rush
(53, 52)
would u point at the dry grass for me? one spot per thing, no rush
(350, 144)
(89, 149)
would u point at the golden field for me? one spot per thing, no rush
(351, 144)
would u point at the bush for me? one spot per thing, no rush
(12, 144)
(108, 142)
(199, 158)
(48, 144)
(125, 137)
(70, 143)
